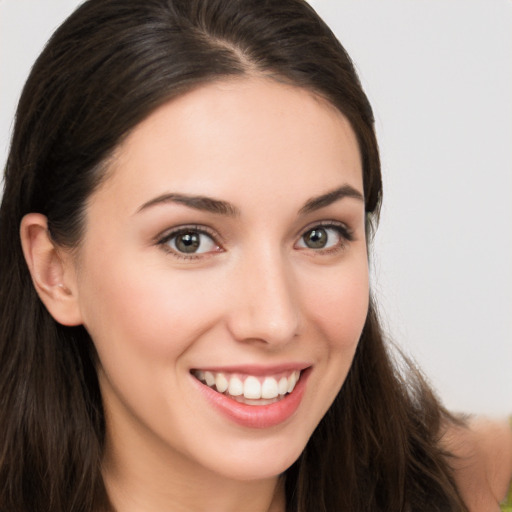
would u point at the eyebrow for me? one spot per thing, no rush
(315, 203)
(203, 203)
(219, 207)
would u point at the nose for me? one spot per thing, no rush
(265, 303)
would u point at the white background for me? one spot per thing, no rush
(439, 75)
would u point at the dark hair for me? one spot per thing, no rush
(104, 70)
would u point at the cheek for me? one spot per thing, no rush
(337, 310)
(338, 307)
(152, 313)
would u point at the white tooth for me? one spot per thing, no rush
(221, 383)
(252, 388)
(283, 386)
(269, 388)
(291, 383)
(209, 378)
(292, 380)
(200, 375)
(236, 387)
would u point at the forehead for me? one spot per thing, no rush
(250, 134)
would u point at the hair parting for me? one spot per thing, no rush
(108, 67)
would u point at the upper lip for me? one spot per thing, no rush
(256, 370)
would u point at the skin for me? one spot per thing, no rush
(257, 295)
(483, 463)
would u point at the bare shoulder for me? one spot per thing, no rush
(482, 461)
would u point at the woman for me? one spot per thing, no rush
(187, 324)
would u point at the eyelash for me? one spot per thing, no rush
(345, 233)
(201, 230)
(346, 236)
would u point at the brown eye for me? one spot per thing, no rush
(187, 242)
(316, 238)
(329, 236)
(191, 242)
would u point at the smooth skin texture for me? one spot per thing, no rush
(483, 467)
(254, 294)
(259, 291)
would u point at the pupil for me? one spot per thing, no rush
(187, 242)
(316, 238)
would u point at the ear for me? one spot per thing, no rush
(52, 270)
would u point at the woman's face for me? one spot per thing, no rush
(225, 256)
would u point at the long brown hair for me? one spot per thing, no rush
(105, 69)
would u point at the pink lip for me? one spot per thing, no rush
(257, 416)
(255, 369)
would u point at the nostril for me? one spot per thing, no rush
(264, 307)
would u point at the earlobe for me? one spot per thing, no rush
(51, 269)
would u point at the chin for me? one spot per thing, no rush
(260, 460)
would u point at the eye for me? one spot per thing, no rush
(190, 241)
(325, 237)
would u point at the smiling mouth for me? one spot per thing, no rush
(250, 389)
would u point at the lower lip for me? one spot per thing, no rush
(257, 416)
